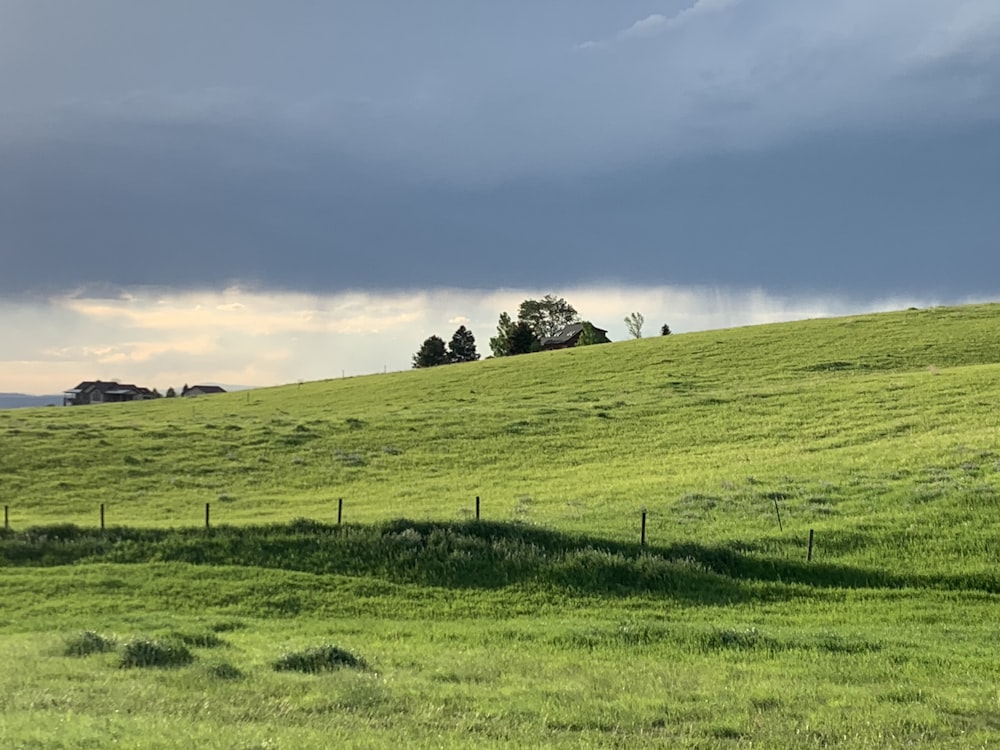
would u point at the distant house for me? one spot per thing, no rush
(202, 390)
(569, 335)
(105, 392)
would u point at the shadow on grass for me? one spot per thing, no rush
(470, 554)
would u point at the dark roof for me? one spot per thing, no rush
(567, 333)
(105, 386)
(205, 389)
(87, 388)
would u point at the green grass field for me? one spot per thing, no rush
(545, 624)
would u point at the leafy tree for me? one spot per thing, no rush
(634, 323)
(462, 347)
(590, 335)
(500, 344)
(156, 393)
(664, 330)
(548, 315)
(171, 393)
(431, 354)
(522, 339)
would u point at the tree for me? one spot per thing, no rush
(431, 354)
(634, 323)
(664, 330)
(548, 315)
(522, 339)
(462, 347)
(500, 344)
(171, 393)
(590, 335)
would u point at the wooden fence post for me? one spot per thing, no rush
(778, 513)
(477, 507)
(809, 555)
(642, 533)
(102, 516)
(208, 511)
(340, 510)
(6, 517)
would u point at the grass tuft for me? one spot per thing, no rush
(200, 640)
(749, 639)
(320, 659)
(148, 652)
(89, 642)
(226, 626)
(225, 671)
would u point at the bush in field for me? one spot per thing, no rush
(89, 642)
(148, 652)
(320, 659)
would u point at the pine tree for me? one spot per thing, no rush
(431, 354)
(522, 339)
(463, 346)
(500, 344)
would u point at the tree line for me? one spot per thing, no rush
(537, 320)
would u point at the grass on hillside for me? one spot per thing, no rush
(544, 624)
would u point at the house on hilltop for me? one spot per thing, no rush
(105, 392)
(570, 335)
(202, 390)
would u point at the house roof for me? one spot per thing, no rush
(109, 387)
(568, 332)
(104, 386)
(205, 389)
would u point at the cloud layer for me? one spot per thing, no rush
(846, 148)
(162, 338)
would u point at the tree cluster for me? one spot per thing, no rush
(433, 352)
(537, 319)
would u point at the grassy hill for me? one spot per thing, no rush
(877, 421)
(877, 432)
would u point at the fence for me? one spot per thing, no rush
(340, 520)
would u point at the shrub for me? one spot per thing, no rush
(321, 659)
(89, 642)
(148, 652)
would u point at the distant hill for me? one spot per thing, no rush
(21, 400)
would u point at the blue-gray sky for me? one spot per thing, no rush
(842, 149)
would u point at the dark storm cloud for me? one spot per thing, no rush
(847, 146)
(195, 207)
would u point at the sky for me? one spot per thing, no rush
(269, 192)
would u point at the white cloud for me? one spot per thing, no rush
(657, 23)
(160, 338)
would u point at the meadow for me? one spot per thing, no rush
(544, 623)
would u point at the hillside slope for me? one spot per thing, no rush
(841, 423)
